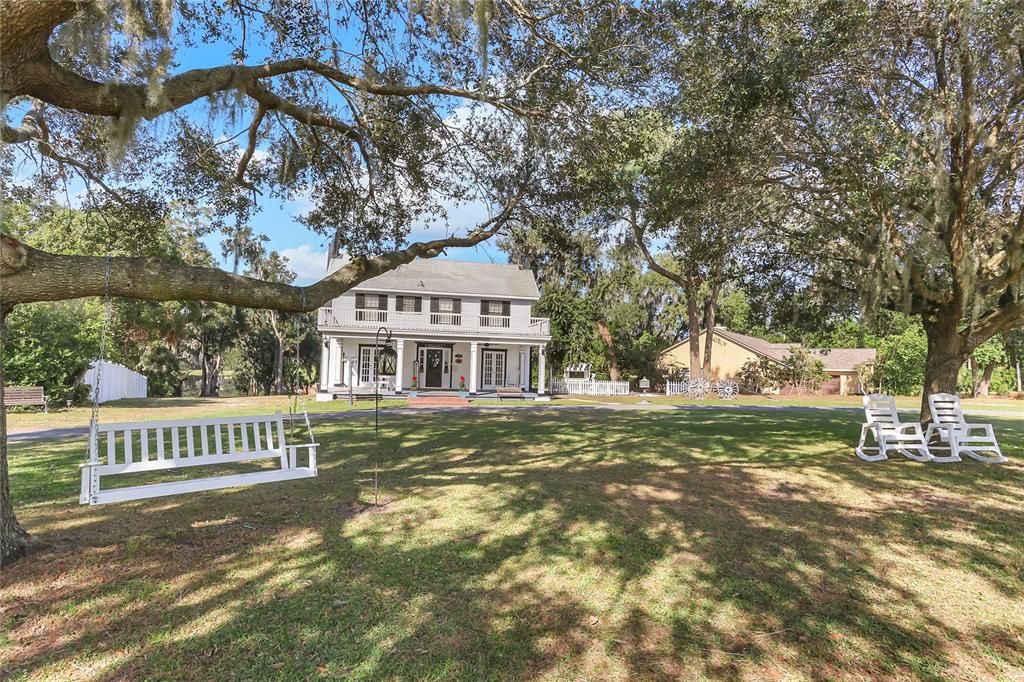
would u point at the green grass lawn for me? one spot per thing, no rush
(179, 408)
(536, 544)
(170, 408)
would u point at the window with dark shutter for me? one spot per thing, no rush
(506, 308)
(456, 305)
(360, 300)
(433, 304)
(419, 304)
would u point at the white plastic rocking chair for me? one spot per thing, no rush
(883, 422)
(959, 436)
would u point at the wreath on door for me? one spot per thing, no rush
(435, 361)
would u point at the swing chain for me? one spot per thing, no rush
(95, 418)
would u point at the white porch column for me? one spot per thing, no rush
(524, 378)
(400, 370)
(542, 370)
(334, 363)
(325, 364)
(472, 367)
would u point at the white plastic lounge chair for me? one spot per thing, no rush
(960, 437)
(890, 435)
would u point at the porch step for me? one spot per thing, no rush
(427, 400)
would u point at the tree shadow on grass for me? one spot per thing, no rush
(644, 545)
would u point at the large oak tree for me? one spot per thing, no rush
(380, 116)
(903, 148)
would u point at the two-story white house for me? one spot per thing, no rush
(449, 320)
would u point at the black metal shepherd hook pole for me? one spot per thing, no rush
(383, 364)
(376, 377)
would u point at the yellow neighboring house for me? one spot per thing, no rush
(730, 351)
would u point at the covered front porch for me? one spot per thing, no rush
(431, 365)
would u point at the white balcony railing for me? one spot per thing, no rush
(495, 321)
(371, 315)
(330, 318)
(446, 319)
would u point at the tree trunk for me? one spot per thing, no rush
(609, 345)
(946, 354)
(693, 323)
(202, 364)
(710, 309)
(975, 387)
(986, 381)
(14, 540)
(212, 372)
(278, 366)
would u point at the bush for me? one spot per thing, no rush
(51, 345)
(901, 361)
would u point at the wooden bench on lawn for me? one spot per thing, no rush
(152, 446)
(25, 395)
(509, 392)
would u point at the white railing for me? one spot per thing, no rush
(371, 315)
(495, 321)
(675, 388)
(589, 387)
(446, 319)
(491, 325)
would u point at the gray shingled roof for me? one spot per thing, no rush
(456, 277)
(835, 359)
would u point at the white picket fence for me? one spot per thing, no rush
(589, 387)
(117, 382)
(675, 388)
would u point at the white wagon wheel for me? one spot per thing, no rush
(727, 389)
(699, 388)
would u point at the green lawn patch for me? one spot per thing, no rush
(552, 544)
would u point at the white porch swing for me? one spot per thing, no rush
(152, 446)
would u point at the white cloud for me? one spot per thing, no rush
(307, 262)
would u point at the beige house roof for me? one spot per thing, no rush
(443, 276)
(835, 359)
(844, 359)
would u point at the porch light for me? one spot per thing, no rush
(387, 360)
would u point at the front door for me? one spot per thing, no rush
(433, 372)
(494, 370)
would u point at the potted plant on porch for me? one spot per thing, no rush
(413, 386)
(463, 393)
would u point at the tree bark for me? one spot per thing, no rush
(211, 374)
(202, 364)
(14, 540)
(609, 345)
(279, 366)
(710, 310)
(693, 322)
(973, 365)
(947, 352)
(986, 381)
(28, 275)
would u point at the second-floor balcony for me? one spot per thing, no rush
(461, 323)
